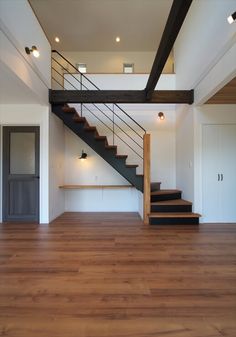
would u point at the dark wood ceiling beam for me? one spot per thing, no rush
(175, 20)
(120, 96)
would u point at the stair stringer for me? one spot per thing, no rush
(108, 154)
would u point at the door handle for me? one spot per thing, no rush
(222, 177)
(218, 177)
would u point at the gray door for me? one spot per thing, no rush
(21, 173)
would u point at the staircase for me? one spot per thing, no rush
(89, 134)
(168, 208)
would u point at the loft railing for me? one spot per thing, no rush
(120, 127)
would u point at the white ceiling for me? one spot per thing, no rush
(92, 25)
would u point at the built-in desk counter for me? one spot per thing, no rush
(76, 187)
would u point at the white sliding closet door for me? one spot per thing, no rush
(219, 173)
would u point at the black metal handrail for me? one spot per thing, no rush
(82, 85)
(80, 82)
(55, 51)
(112, 120)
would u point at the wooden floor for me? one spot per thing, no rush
(107, 275)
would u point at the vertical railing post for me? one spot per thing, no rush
(81, 87)
(147, 178)
(113, 126)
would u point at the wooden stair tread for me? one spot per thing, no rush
(68, 109)
(100, 137)
(163, 192)
(174, 215)
(121, 156)
(111, 147)
(132, 165)
(172, 202)
(79, 119)
(90, 128)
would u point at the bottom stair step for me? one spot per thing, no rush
(171, 218)
(176, 205)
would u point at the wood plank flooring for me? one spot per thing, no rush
(106, 274)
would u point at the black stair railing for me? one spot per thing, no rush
(120, 126)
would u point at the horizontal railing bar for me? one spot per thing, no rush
(101, 103)
(55, 51)
(70, 74)
(64, 78)
(118, 126)
(100, 111)
(130, 117)
(96, 106)
(112, 131)
(58, 83)
(123, 120)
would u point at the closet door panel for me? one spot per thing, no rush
(227, 143)
(212, 207)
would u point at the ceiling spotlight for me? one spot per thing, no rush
(161, 116)
(33, 50)
(232, 18)
(117, 39)
(57, 39)
(83, 155)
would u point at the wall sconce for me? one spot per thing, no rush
(83, 155)
(232, 18)
(161, 116)
(33, 50)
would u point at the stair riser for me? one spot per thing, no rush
(171, 208)
(99, 146)
(174, 221)
(164, 197)
(155, 186)
(122, 161)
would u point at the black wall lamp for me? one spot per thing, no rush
(161, 116)
(232, 18)
(83, 155)
(33, 50)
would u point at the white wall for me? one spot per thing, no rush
(112, 62)
(56, 166)
(163, 163)
(185, 151)
(219, 75)
(204, 39)
(118, 81)
(20, 28)
(16, 115)
(94, 171)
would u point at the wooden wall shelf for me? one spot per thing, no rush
(77, 187)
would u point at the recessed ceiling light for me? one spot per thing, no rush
(57, 39)
(117, 39)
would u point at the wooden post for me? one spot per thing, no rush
(147, 178)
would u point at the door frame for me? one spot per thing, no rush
(6, 130)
